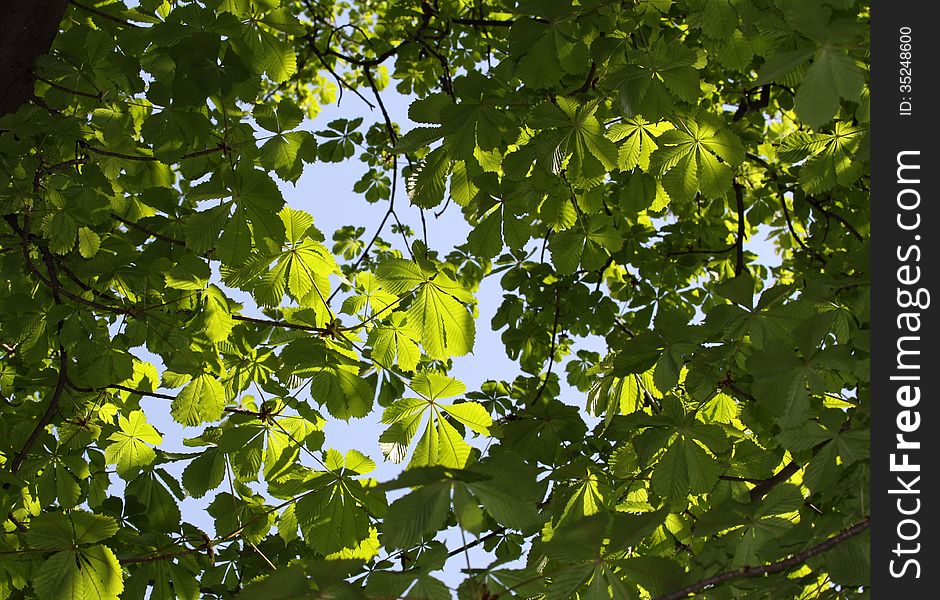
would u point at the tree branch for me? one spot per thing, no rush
(17, 461)
(739, 239)
(486, 22)
(389, 127)
(589, 82)
(551, 351)
(86, 146)
(815, 203)
(799, 240)
(149, 232)
(777, 567)
(104, 15)
(62, 88)
(282, 324)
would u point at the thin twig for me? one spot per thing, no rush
(793, 233)
(17, 461)
(551, 351)
(777, 567)
(739, 239)
(62, 88)
(282, 324)
(149, 232)
(104, 15)
(393, 137)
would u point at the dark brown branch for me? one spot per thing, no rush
(739, 239)
(759, 160)
(793, 233)
(282, 324)
(62, 88)
(765, 485)
(483, 22)
(741, 479)
(340, 82)
(52, 282)
(62, 165)
(551, 350)
(17, 461)
(389, 127)
(777, 567)
(476, 542)
(229, 409)
(747, 105)
(86, 146)
(692, 250)
(365, 62)
(149, 232)
(389, 213)
(589, 82)
(104, 15)
(829, 214)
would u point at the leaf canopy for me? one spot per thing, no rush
(688, 399)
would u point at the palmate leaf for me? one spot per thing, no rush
(131, 445)
(395, 344)
(830, 159)
(57, 530)
(332, 519)
(333, 516)
(587, 246)
(335, 377)
(446, 327)
(370, 295)
(595, 159)
(413, 516)
(202, 400)
(697, 158)
(92, 572)
(637, 141)
(663, 75)
(169, 581)
(831, 76)
(575, 132)
(440, 443)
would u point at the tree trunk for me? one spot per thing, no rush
(27, 29)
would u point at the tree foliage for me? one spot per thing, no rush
(614, 159)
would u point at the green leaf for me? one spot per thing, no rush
(130, 449)
(204, 473)
(637, 139)
(416, 515)
(697, 158)
(831, 76)
(56, 530)
(426, 183)
(331, 519)
(446, 327)
(87, 573)
(471, 414)
(88, 242)
(202, 400)
(657, 575)
(286, 583)
(395, 343)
